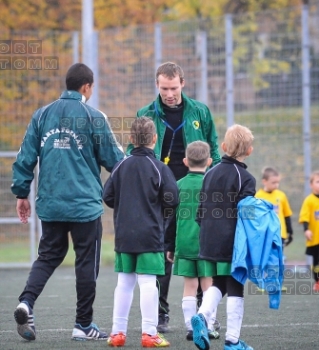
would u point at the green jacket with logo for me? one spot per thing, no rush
(72, 141)
(199, 125)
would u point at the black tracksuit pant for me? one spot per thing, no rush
(53, 247)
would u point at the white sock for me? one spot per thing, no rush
(189, 306)
(210, 323)
(235, 313)
(123, 297)
(148, 303)
(211, 299)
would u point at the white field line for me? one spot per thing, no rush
(299, 324)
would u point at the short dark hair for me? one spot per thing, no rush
(142, 131)
(78, 75)
(197, 154)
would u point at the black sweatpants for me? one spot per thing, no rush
(314, 252)
(228, 285)
(53, 247)
(163, 287)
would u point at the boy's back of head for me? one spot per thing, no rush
(78, 75)
(238, 141)
(143, 131)
(197, 154)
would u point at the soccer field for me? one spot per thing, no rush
(294, 326)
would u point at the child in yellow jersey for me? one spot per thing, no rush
(309, 217)
(270, 192)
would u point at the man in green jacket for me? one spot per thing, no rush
(72, 141)
(179, 121)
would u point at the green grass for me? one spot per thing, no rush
(294, 326)
(19, 252)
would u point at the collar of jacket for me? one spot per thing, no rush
(159, 110)
(230, 160)
(142, 151)
(72, 95)
(190, 172)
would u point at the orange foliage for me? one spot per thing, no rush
(66, 14)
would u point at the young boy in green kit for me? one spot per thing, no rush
(185, 258)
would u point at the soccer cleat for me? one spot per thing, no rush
(154, 341)
(24, 318)
(90, 332)
(200, 333)
(162, 326)
(241, 345)
(315, 287)
(211, 335)
(116, 340)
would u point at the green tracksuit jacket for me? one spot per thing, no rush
(199, 125)
(72, 141)
(187, 229)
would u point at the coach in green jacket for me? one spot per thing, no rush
(198, 126)
(72, 141)
(179, 121)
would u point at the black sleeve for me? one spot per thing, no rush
(248, 188)
(169, 191)
(305, 226)
(108, 193)
(288, 225)
(170, 233)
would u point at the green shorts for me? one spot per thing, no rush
(220, 268)
(143, 263)
(192, 268)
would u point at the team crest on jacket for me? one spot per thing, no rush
(196, 124)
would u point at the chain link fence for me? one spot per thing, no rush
(247, 68)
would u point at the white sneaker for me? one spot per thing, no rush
(91, 332)
(24, 318)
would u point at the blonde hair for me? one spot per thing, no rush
(238, 139)
(197, 154)
(268, 171)
(313, 175)
(142, 131)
